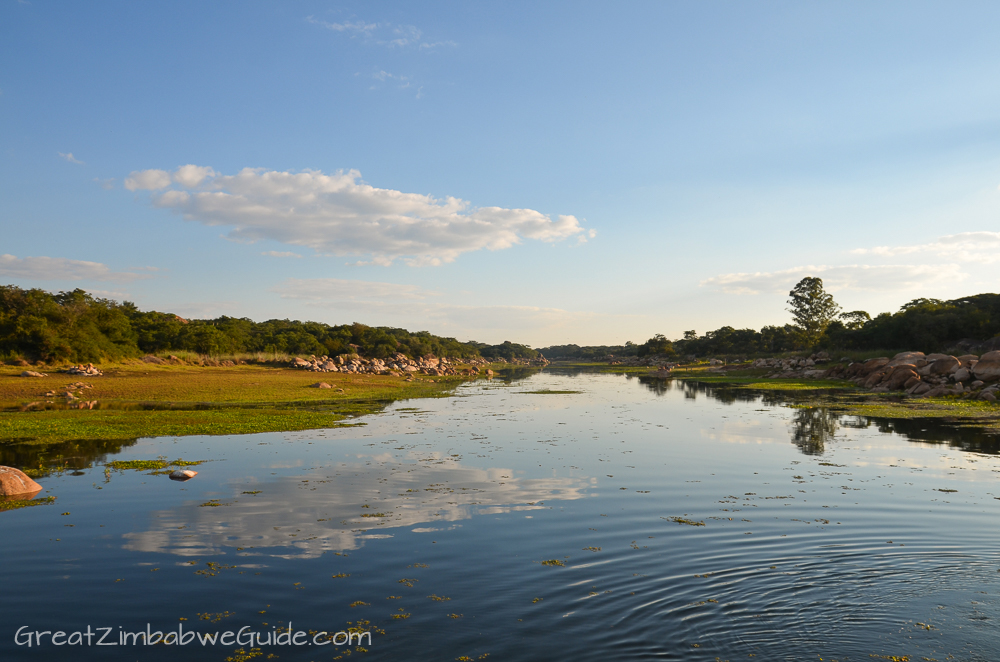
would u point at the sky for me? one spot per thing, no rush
(540, 172)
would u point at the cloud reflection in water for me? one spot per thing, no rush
(305, 515)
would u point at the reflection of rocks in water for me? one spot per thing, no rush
(812, 428)
(42, 459)
(337, 508)
(932, 432)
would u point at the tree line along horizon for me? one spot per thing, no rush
(37, 325)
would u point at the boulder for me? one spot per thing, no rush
(32, 373)
(987, 371)
(934, 357)
(945, 366)
(990, 356)
(961, 374)
(911, 382)
(900, 375)
(320, 385)
(987, 395)
(14, 481)
(871, 365)
(920, 389)
(967, 359)
(908, 355)
(877, 377)
(938, 391)
(183, 474)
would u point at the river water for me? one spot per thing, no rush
(678, 522)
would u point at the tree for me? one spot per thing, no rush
(855, 319)
(658, 345)
(812, 308)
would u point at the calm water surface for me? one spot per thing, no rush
(692, 523)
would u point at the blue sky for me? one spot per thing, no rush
(539, 172)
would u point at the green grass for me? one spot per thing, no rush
(755, 379)
(150, 400)
(987, 413)
(799, 385)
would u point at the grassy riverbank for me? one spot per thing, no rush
(144, 400)
(751, 378)
(845, 398)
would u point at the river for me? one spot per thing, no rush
(559, 516)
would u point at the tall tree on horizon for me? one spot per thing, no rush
(812, 308)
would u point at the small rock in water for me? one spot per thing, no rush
(14, 481)
(183, 474)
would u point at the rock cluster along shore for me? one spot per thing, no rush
(88, 370)
(916, 373)
(636, 362)
(398, 364)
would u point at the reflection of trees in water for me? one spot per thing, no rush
(932, 432)
(812, 428)
(516, 373)
(657, 386)
(66, 456)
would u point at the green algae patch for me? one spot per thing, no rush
(14, 504)
(554, 562)
(799, 385)
(150, 465)
(978, 412)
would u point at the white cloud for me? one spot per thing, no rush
(347, 26)
(69, 157)
(281, 254)
(339, 214)
(60, 268)
(147, 180)
(404, 35)
(383, 34)
(383, 75)
(106, 184)
(846, 277)
(968, 246)
(425, 45)
(192, 175)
